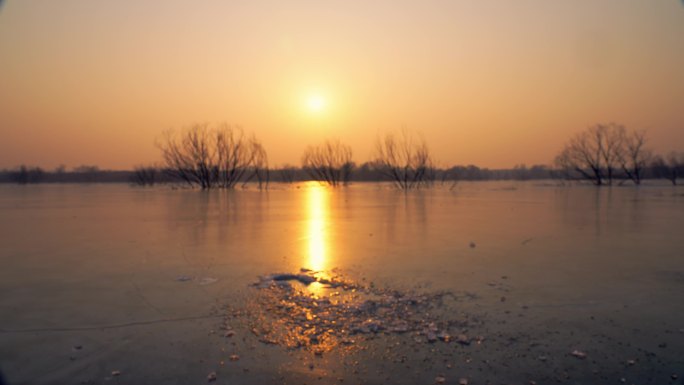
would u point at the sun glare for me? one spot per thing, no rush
(315, 103)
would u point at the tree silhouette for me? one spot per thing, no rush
(404, 159)
(213, 157)
(329, 162)
(593, 154)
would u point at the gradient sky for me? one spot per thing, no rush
(491, 83)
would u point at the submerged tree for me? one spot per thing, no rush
(595, 154)
(671, 167)
(211, 157)
(404, 159)
(259, 169)
(603, 152)
(633, 156)
(330, 162)
(144, 175)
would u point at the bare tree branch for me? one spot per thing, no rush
(330, 162)
(594, 154)
(633, 156)
(211, 157)
(405, 160)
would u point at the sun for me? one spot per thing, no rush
(315, 103)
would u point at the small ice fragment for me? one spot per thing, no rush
(282, 284)
(444, 336)
(400, 328)
(305, 279)
(463, 339)
(207, 281)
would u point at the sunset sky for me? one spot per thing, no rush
(491, 83)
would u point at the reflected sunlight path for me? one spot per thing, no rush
(316, 225)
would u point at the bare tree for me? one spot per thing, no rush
(593, 154)
(671, 167)
(675, 161)
(209, 157)
(330, 162)
(144, 175)
(259, 169)
(633, 155)
(404, 159)
(660, 169)
(187, 155)
(612, 138)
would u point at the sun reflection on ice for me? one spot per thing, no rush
(317, 221)
(316, 229)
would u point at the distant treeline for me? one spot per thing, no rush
(222, 156)
(288, 174)
(84, 174)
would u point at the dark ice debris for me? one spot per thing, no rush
(463, 339)
(444, 336)
(280, 279)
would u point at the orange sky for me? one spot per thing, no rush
(492, 83)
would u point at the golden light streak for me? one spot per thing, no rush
(317, 222)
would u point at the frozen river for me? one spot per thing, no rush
(104, 283)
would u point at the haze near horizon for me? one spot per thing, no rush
(489, 83)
